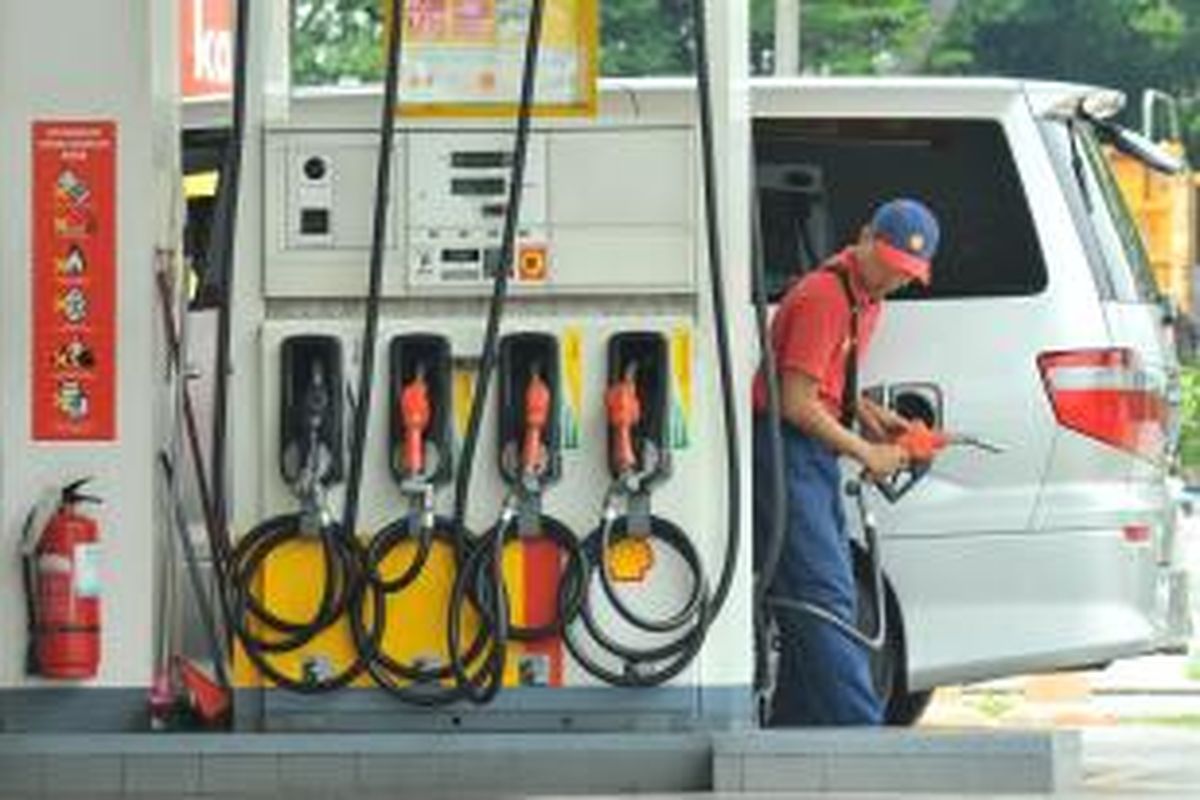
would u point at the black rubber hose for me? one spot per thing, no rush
(641, 666)
(413, 683)
(276, 635)
(383, 181)
(482, 687)
(573, 570)
(769, 369)
(512, 218)
(690, 644)
(345, 580)
(223, 263)
(716, 282)
(610, 533)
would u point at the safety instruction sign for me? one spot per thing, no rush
(74, 281)
(466, 57)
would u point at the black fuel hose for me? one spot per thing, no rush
(768, 565)
(485, 682)
(223, 264)
(482, 686)
(615, 531)
(263, 633)
(572, 570)
(259, 629)
(414, 682)
(383, 182)
(688, 646)
(641, 665)
(716, 280)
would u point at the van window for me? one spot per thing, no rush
(1119, 261)
(820, 179)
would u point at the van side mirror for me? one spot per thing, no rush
(1137, 146)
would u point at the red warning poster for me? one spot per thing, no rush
(74, 281)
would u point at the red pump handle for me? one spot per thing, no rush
(624, 412)
(537, 417)
(416, 414)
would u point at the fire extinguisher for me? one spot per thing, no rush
(61, 573)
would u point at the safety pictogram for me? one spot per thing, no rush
(74, 280)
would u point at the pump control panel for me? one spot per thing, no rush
(590, 222)
(459, 194)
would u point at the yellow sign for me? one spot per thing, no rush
(572, 407)
(466, 57)
(681, 396)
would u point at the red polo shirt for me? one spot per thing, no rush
(810, 331)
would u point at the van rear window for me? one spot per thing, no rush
(820, 179)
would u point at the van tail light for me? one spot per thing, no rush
(1107, 395)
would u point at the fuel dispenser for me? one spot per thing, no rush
(355, 545)
(621, 551)
(578, 555)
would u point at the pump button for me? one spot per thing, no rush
(315, 169)
(314, 221)
(532, 265)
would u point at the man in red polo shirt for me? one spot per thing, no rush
(820, 332)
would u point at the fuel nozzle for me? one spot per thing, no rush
(624, 413)
(316, 457)
(922, 444)
(416, 415)
(537, 418)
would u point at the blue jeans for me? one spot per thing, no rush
(824, 677)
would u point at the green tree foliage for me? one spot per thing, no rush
(646, 37)
(336, 41)
(1127, 44)
(860, 38)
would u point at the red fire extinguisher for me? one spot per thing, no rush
(62, 590)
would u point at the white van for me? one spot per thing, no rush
(1042, 332)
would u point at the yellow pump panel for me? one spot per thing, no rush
(291, 583)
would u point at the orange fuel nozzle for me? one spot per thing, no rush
(416, 413)
(537, 417)
(624, 412)
(921, 442)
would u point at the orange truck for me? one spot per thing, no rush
(1165, 206)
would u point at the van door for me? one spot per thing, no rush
(960, 353)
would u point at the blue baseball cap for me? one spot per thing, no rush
(906, 236)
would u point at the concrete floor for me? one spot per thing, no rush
(1120, 763)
